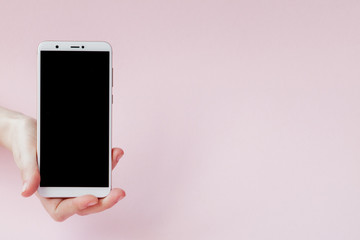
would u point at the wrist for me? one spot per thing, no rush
(9, 120)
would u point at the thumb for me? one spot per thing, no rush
(31, 180)
(29, 172)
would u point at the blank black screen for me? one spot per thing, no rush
(74, 118)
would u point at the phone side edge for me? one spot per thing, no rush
(40, 46)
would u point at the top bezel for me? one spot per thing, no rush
(74, 46)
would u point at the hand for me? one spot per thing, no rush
(22, 142)
(62, 208)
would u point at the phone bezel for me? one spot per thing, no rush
(63, 192)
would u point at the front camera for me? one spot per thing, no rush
(82, 46)
(57, 46)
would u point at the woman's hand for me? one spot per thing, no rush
(62, 208)
(18, 134)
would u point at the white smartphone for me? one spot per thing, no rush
(74, 104)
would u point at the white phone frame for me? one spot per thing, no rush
(65, 192)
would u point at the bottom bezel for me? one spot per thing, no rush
(66, 192)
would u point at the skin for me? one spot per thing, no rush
(18, 134)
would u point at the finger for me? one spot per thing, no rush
(117, 153)
(49, 203)
(70, 206)
(55, 206)
(110, 200)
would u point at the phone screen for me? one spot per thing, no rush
(74, 118)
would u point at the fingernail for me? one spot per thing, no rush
(24, 187)
(91, 203)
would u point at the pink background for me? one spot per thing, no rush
(239, 119)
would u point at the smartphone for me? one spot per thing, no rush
(74, 104)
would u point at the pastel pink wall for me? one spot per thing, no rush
(239, 119)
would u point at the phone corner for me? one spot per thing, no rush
(107, 44)
(42, 44)
(104, 193)
(40, 192)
